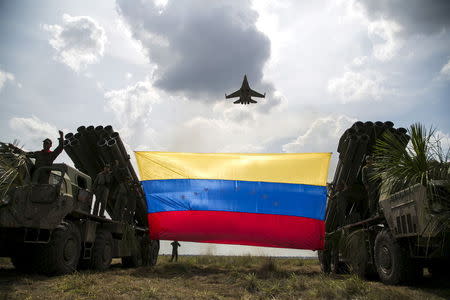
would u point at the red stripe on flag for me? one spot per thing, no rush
(251, 229)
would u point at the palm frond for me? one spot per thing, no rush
(402, 164)
(14, 170)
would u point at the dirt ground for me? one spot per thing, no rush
(211, 277)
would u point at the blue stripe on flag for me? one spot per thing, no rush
(236, 196)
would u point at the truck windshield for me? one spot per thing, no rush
(56, 178)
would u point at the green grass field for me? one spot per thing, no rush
(211, 277)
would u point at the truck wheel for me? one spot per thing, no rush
(152, 251)
(337, 266)
(132, 261)
(390, 259)
(61, 254)
(102, 251)
(324, 259)
(358, 263)
(155, 252)
(135, 260)
(357, 254)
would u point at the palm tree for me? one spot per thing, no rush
(14, 171)
(401, 162)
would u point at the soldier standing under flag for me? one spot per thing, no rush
(175, 246)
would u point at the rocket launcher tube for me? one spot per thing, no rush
(102, 146)
(116, 136)
(83, 157)
(357, 159)
(115, 151)
(348, 154)
(109, 130)
(89, 147)
(72, 155)
(81, 129)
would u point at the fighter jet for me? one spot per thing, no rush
(245, 93)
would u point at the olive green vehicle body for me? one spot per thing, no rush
(41, 220)
(413, 224)
(35, 210)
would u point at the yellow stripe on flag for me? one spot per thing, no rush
(300, 168)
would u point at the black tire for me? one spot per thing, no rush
(357, 254)
(325, 260)
(102, 251)
(150, 251)
(154, 245)
(337, 266)
(61, 254)
(135, 260)
(358, 264)
(132, 261)
(392, 261)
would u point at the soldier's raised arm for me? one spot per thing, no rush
(60, 147)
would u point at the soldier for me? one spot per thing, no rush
(100, 188)
(175, 246)
(125, 204)
(45, 157)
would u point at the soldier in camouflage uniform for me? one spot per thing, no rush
(45, 157)
(175, 246)
(100, 188)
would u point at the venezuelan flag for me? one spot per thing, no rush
(271, 200)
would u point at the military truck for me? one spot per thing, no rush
(376, 231)
(50, 228)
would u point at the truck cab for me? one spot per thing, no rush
(42, 207)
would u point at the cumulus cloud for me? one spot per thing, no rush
(78, 42)
(353, 86)
(445, 71)
(200, 47)
(359, 61)
(383, 35)
(414, 16)
(322, 136)
(133, 104)
(201, 134)
(4, 77)
(33, 129)
(391, 24)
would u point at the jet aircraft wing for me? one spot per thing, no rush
(256, 94)
(234, 95)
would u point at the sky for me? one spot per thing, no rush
(157, 71)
